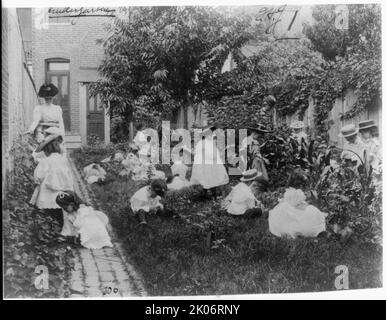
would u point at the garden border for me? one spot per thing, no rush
(89, 196)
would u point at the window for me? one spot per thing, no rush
(94, 103)
(58, 66)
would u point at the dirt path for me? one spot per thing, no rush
(104, 272)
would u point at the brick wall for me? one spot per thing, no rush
(4, 94)
(77, 43)
(18, 93)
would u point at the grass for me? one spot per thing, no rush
(208, 252)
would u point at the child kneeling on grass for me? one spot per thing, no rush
(84, 221)
(147, 201)
(241, 201)
(293, 216)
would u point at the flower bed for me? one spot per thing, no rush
(207, 251)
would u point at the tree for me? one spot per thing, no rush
(355, 53)
(157, 60)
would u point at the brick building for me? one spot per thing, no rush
(66, 52)
(17, 87)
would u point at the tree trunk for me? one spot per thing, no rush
(131, 126)
(131, 131)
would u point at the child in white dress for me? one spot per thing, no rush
(147, 200)
(179, 170)
(293, 216)
(94, 173)
(88, 223)
(241, 201)
(52, 175)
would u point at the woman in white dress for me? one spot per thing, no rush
(293, 216)
(47, 115)
(52, 175)
(208, 168)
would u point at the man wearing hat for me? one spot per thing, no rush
(241, 201)
(367, 130)
(353, 149)
(255, 159)
(372, 144)
(298, 132)
(46, 115)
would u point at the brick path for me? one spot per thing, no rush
(98, 270)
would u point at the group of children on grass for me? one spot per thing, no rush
(293, 216)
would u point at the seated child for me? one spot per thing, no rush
(241, 200)
(94, 173)
(147, 200)
(87, 222)
(293, 216)
(179, 170)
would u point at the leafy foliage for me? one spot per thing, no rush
(322, 67)
(355, 53)
(282, 69)
(155, 62)
(346, 193)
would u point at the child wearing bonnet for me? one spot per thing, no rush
(293, 216)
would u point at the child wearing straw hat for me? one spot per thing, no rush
(52, 175)
(241, 201)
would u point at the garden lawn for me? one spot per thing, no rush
(207, 252)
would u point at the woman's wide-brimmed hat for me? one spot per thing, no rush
(348, 131)
(53, 133)
(297, 124)
(251, 175)
(259, 128)
(48, 91)
(366, 125)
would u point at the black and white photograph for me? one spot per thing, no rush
(207, 149)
